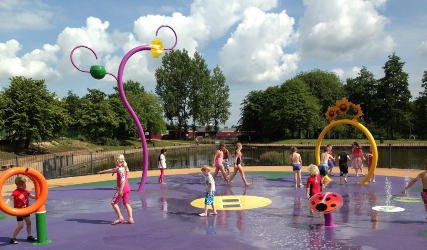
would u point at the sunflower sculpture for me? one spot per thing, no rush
(343, 109)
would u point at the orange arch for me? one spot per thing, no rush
(41, 190)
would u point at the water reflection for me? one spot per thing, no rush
(210, 225)
(373, 202)
(298, 212)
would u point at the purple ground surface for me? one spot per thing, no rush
(79, 217)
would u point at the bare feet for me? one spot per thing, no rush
(345, 180)
(119, 220)
(162, 182)
(247, 184)
(213, 213)
(203, 215)
(310, 215)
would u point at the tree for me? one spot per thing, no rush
(251, 116)
(73, 104)
(363, 90)
(96, 117)
(31, 112)
(173, 82)
(147, 107)
(221, 103)
(201, 92)
(393, 97)
(420, 110)
(325, 86)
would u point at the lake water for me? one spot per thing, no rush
(253, 155)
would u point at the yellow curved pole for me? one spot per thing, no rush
(368, 134)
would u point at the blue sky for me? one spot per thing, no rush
(256, 43)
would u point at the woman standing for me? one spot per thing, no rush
(356, 159)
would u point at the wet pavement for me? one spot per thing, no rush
(79, 217)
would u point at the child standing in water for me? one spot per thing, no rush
(314, 183)
(226, 162)
(324, 158)
(238, 163)
(210, 191)
(218, 161)
(423, 177)
(162, 165)
(20, 200)
(296, 164)
(123, 189)
(356, 159)
(343, 159)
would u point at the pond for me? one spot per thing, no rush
(194, 157)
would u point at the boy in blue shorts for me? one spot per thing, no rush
(210, 191)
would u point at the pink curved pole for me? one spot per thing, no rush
(125, 102)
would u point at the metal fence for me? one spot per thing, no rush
(85, 162)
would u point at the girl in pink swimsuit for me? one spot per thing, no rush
(123, 189)
(217, 162)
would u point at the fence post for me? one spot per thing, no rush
(54, 165)
(389, 153)
(188, 157)
(283, 155)
(17, 161)
(91, 163)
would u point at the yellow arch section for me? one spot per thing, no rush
(368, 134)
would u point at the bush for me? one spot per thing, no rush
(272, 158)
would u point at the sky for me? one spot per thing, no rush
(256, 43)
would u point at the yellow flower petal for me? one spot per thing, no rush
(156, 47)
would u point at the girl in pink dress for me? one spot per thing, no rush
(356, 159)
(123, 189)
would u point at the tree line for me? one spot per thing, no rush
(186, 91)
(296, 108)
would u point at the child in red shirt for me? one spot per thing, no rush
(20, 200)
(314, 183)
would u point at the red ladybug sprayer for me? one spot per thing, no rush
(326, 202)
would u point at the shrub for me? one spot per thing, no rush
(272, 158)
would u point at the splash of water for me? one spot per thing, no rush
(407, 180)
(388, 191)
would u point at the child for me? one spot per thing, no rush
(423, 177)
(330, 161)
(238, 163)
(369, 155)
(226, 160)
(296, 163)
(210, 191)
(123, 189)
(162, 165)
(218, 160)
(20, 200)
(314, 183)
(343, 159)
(356, 158)
(324, 158)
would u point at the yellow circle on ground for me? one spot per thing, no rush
(364, 130)
(234, 202)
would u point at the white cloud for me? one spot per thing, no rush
(423, 48)
(343, 30)
(345, 74)
(254, 51)
(36, 64)
(24, 15)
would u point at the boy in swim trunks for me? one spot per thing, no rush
(324, 158)
(423, 177)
